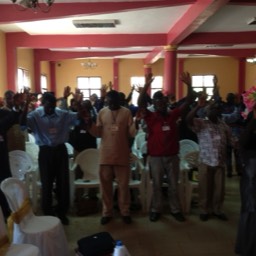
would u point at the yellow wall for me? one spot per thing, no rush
(250, 75)
(127, 69)
(226, 69)
(45, 70)
(3, 78)
(67, 71)
(25, 60)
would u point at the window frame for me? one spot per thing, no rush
(204, 86)
(24, 81)
(90, 90)
(139, 83)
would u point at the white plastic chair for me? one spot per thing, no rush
(70, 149)
(187, 146)
(31, 138)
(9, 249)
(20, 163)
(189, 153)
(45, 232)
(139, 139)
(24, 168)
(33, 150)
(88, 161)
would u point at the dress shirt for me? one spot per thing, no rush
(51, 130)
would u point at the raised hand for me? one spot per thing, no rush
(149, 79)
(215, 87)
(186, 78)
(78, 96)
(110, 85)
(67, 91)
(103, 90)
(215, 80)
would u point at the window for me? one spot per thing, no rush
(43, 83)
(156, 85)
(201, 83)
(23, 79)
(136, 81)
(89, 86)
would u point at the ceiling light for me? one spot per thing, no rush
(251, 60)
(87, 23)
(252, 21)
(89, 64)
(35, 5)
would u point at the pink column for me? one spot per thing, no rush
(116, 74)
(169, 86)
(180, 83)
(148, 70)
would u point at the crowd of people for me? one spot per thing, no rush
(216, 125)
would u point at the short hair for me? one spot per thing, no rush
(158, 95)
(9, 93)
(113, 94)
(48, 97)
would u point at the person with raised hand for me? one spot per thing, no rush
(163, 146)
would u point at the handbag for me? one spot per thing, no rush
(99, 244)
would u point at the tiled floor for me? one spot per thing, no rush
(168, 237)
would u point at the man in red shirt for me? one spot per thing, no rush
(163, 147)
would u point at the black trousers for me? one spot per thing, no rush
(54, 172)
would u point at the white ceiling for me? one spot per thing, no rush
(232, 17)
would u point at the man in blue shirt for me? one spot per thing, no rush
(51, 126)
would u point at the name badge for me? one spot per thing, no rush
(82, 131)
(166, 128)
(114, 128)
(52, 130)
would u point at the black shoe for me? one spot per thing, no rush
(104, 220)
(154, 216)
(178, 216)
(127, 219)
(64, 220)
(221, 216)
(204, 217)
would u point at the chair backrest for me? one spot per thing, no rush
(20, 163)
(137, 167)
(31, 138)
(187, 146)
(88, 161)
(70, 149)
(33, 150)
(144, 148)
(15, 192)
(139, 139)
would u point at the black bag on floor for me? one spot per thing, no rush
(99, 244)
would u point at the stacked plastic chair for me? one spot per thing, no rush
(45, 232)
(9, 249)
